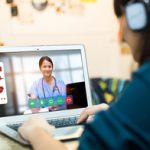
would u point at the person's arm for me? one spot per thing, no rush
(125, 125)
(39, 134)
(32, 93)
(42, 140)
(63, 88)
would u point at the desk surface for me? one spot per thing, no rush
(8, 144)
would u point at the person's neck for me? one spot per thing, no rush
(48, 79)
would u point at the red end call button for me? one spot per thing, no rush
(69, 100)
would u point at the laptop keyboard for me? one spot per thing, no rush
(63, 122)
(58, 123)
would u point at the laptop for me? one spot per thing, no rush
(19, 71)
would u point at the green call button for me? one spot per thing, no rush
(60, 100)
(32, 103)
(42, 102)
(50, 102)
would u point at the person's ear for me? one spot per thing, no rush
(124, 47)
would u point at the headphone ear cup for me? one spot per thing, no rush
(136, 15)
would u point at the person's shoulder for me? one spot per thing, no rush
(59, 81)
(145, 68)
(144, 71)
(37, 81)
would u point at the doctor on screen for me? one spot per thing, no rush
(49, 91)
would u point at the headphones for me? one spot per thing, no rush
(137, 14)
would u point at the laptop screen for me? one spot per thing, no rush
(41, 81)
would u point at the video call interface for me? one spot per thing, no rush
(43, 81)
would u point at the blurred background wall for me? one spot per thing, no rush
(88, 22)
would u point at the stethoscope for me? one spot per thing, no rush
(54, 88)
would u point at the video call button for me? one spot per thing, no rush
(60, 100)
(32, 103)
(50, 102)
(69, 100)
(42, 102)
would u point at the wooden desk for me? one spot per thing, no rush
(8, 144)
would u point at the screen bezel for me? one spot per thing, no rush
(62, 113)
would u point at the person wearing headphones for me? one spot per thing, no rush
(125, 124)
(48, 87)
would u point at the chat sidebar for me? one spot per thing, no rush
(3, 95)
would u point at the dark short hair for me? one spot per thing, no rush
(119, 6)
(45, 58)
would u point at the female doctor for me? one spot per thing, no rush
(48, 86)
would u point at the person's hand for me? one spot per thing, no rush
(53, 108)
(86, 115)
(33, 125)
(32, 96)
(35, 110)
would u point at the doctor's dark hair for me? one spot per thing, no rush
(119, 9)
(45, 58)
